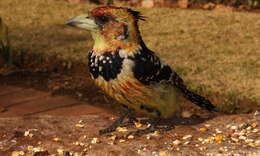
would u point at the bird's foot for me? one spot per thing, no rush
(155, 125)
(119, 123)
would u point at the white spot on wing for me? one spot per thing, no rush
(101, 58)
(100, 68)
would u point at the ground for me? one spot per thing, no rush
(58, 121)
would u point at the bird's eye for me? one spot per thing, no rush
(103, 19)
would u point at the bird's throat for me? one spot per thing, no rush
(100, 43)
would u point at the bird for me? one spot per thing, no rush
(127, 70)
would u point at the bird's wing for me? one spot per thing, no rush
(149, 69)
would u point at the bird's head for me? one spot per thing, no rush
(111, 27)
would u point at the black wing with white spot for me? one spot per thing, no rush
(107, 65)
(149, 69)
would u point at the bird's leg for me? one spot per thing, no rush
(154, 126)
(119, 122)
(131, 121)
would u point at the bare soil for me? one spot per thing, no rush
(53, 112)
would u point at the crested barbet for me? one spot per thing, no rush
(123, 67)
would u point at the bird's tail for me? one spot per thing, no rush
(198, 100)
(193, 97)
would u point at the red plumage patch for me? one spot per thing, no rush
(102, 10)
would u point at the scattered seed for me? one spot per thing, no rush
(187, 137)
(187, 142)
(17, 153)
(207, 125)
(138, 124)
(79, 125)
(130, 137)
(26, 133)
(113, 137)
(156, 132)
(139, 151)
(122, 140)
(203, 129)
(176, 142)
(31, 135)
(163, 153)
(30, 148)
(76, 143)
(203, 148)
(249, 128)
(228, 126)
(60, 151)
(249, 141)
(218, 138)
(148, 137)
(218, 131)
(234, 127)
(95, 141)
(38, 149)
(56, 139)
(242, 137)
(121, 129)
(234, 139)
(257, 143)
(254, 124)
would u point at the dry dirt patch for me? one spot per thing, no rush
(235, 134)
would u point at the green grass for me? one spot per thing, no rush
(217, 50)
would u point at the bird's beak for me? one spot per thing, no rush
(83, 21)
